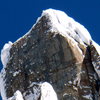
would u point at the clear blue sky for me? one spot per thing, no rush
(18, 16)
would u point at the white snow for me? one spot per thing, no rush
(33, 96)
(70, 82)
(66, 25)
(4, 58)
(2, 85)
(16, 73)
(5, 53)
(47, 92)
(30, 97)
(17, 96)
(89, 96)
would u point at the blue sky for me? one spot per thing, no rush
(18, 16)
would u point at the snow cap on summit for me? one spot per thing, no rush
(63, 23)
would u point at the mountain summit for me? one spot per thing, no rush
(56, 60)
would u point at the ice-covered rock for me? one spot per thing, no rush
(17, 96)
(5, 53)
(47, 92)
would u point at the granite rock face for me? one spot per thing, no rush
(44, 55)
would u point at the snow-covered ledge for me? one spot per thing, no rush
(5, 55)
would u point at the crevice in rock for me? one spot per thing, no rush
(91, 74)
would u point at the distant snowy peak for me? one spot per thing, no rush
(67, 26)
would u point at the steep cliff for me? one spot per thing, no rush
(55, 60)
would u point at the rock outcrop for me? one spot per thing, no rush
(53, 55)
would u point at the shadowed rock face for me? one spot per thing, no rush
(46, 56)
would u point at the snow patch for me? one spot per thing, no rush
(89, 97)
(16, 73)
(17, 96)
(4, 58)
(33, 96)
(2, 85)
(47, 92)
(30, 97)
(5, 53)
(70, 82)
(34, 93)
